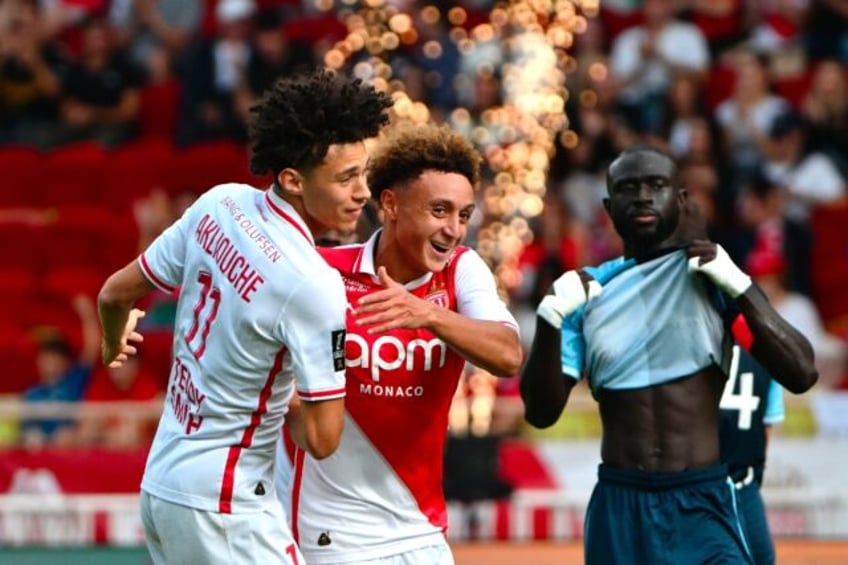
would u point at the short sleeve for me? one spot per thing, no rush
(476, 295)
(572, 345)
(314, 331)
(164, 260)
(775, 411)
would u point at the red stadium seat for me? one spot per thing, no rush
(133, 171)
(17, 357)
(19, 166)
(23, 246)
(67, 282)
(155, 354)
(119, 245)
(719, 86)
(310, 30)
(794, 88)
(72, 175)
(17, 287)
(198, 168)
(76, 237)
(48, 315)
(829, 257)
(615, 21)
(159, 107)
(17, 281)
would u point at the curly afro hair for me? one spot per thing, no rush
(407, 151)
(299, 117)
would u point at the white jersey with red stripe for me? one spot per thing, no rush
(380, 493)
(260, 315)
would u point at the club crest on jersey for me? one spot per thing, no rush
(439, 298)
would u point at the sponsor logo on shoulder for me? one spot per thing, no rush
(338, 345)
(324, 539)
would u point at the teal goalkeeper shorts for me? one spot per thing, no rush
(636, 517)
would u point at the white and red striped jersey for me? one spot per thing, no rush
(260, 315)
(380, 493)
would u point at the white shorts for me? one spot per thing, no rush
(179, 534)
(430, 555)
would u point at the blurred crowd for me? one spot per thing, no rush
(750, 96)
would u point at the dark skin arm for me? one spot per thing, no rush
(543, 387)
(781, 349)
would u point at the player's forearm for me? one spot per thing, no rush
(544, 389)
(491, 346)
(116, 299)
(782, 349)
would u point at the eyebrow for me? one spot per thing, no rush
(353, 169)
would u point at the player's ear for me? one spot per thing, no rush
(290, 181)
(682, 195)
(389, 204)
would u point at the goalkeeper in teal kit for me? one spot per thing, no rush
(650, 333)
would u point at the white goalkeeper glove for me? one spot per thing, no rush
(569, 294)
(723, 272)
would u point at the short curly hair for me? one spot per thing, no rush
(407, 151)
(300, 117)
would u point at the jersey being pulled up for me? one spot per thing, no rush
(380, 493)
(260, 314)
(653, 322)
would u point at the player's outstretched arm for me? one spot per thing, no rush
(782, 349)
(492, 346)
(316, 426)
(118, 318)
(544, 388)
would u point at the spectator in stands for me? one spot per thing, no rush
(809, 178)
(722, 22)
(157, 32)
(100, 92)
(777, 24)
(61, 378)
(271, 55)
(745, 118)
(30, 70)
(644, 59)
(685, 107)
(215, 68)
(130, 382)
(827, 30)
(760, 210)
(826, 108)
(768, 269)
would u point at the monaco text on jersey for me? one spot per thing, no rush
(234, 266)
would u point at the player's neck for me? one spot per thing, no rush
(389, 256)
(642, 252)
(315, 228)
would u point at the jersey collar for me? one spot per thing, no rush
(286, 211)
(364, 263)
